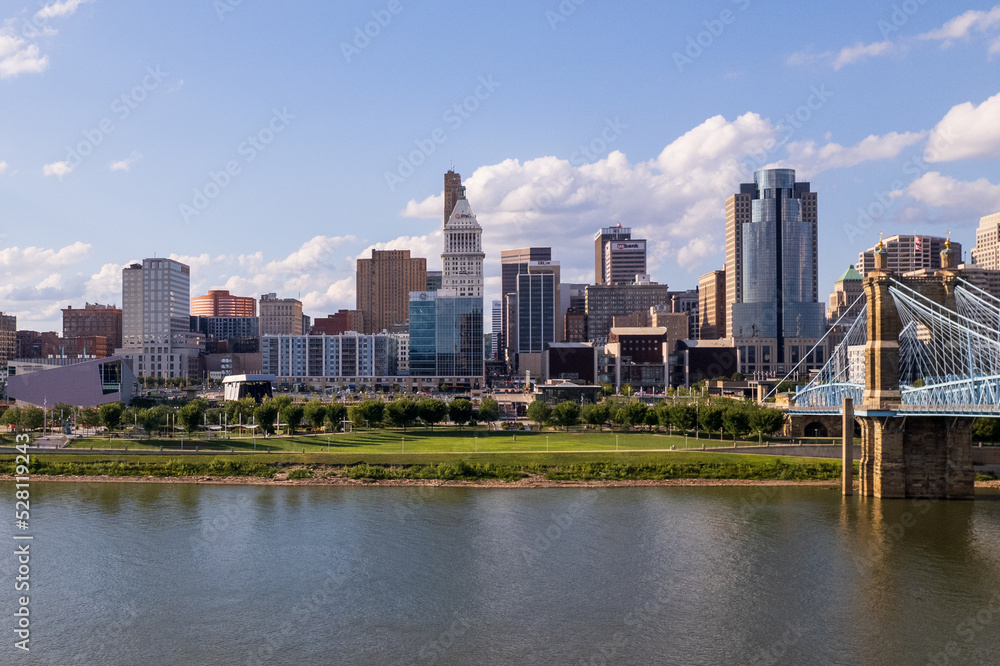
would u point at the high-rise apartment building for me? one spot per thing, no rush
(624, 260)
(8, 337)
(157, 340)
(280, 316)
(778, 311)
(384, 283)
(452, 187)
(220, 303)
(712, 305)
(497, 328)
(617, 233)
(907, 252)
(986, 254)
(94, 319)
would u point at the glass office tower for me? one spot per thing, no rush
(779, 267)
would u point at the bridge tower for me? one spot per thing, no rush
(906, 456)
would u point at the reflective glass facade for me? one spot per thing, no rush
(423, 332)
(779, 290)
(459, 343)
(536, 295)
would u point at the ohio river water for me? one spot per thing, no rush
(185, 574)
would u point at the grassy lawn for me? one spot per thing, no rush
(441, 440)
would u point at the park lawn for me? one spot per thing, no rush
(441, 440)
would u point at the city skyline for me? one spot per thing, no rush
(251, 130)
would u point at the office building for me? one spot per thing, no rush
(220, 303)
(778, 316)
(907, 252)
(738, 214)
(157, 340)
(711, 306)
(384, 283)
(462, 259)
(624, 260)
(341, 322)
(617, 233)
(433, 280)
(844, 298)
(513, 263)
(280, 316)
(452, 187)
(94, 319)
(603, 302)
(986, 254)
(536, 299)
(687, 301)
(497, 330)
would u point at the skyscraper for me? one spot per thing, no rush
(497, 328)
(452, 185)
(462, 259)
(384, 283)
(712, 305)
(778, 305)
(986, 254)
(156, 328)
(220, 303)
(601, 239)
(737, 215)
(513, 263)
(624, 260)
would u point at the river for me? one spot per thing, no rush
(129, 573)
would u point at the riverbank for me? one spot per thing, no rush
(530, 481)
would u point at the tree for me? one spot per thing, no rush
(432, 411)
(111, 414)
(281, 401)
(315, 412)
(683, 416)
(710, 418)
(292, 416)
(984, 430)
(240, 411)
(634, 413)
(151, 418)
(489, 410)
(88, 417)
(566, 414)
(764, 421)
(736, 420)
(402, 413)
(738, 377)
(460, 411)
(12, 417)
(595, 415)
(539, 413)
(335, 413)
(627, 389)
(32, 417)
(192, 415)
(264, 414)
(652, 420)
(61, 410)
(369, 412)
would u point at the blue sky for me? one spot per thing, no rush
(270, 144)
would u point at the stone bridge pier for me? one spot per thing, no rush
(906, 456)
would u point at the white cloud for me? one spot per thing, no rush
(810, 159)
(845, 56)
(852, 54)
(58, 169)
(18, 56)
(60, 9)
(428, 246)
(105, 286)
(963, 25)
(3, 168)
(976, 198)
(126, 164)
(966, 131)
